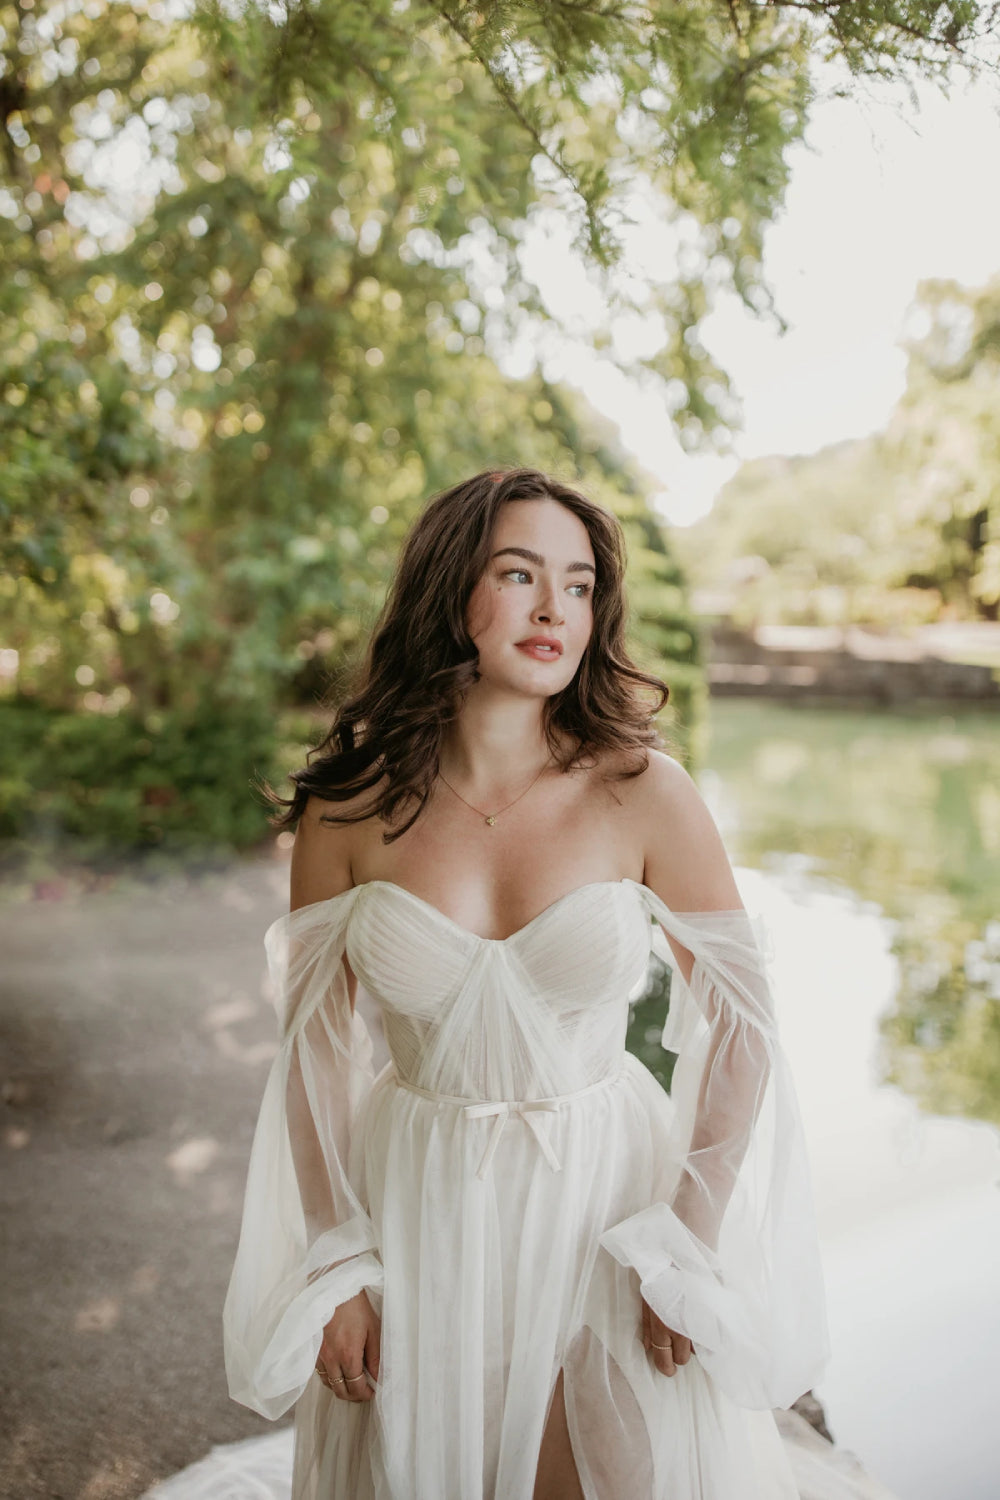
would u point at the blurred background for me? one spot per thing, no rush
(270, 275)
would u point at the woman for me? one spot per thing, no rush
(511, 1267)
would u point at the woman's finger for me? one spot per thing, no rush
(657, 1340)
(668, 1348)
(373, 1350)
(334, 1366)
(327, 1374)
(662, 1351)
(356, 1386)
(680, 1344)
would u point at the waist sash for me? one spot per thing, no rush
(500, 1111)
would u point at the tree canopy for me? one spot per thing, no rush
(260, 265)
(899, 528)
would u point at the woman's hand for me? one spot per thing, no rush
(350, 1348)
(669, 1349)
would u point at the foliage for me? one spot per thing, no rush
(896, 529)
(645, 1024)
(946, 438)
(260, 266)
(101, 783)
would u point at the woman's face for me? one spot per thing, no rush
(531, 613)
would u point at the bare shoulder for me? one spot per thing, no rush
(322, 855)
(647, 781)
(685, 860)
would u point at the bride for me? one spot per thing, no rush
(511, 1267)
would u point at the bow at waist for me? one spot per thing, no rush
(500, 1111)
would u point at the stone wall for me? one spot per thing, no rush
(806, 663)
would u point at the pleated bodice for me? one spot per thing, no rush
(542, 1012)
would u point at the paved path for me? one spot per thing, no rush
(134, 1039)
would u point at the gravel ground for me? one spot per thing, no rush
(135, 1034)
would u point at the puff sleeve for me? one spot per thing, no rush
(732, 1261)
(307, 1243)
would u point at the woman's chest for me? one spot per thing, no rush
(493, 879)
(587, 948)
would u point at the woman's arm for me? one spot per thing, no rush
(321, 856)
(321, 869)
(688, 868)
(729, 1256)
(321, 866)
(307, 1245)
(686, 864)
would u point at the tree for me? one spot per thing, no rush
(899, 528)
(945, 438)
(259, 264)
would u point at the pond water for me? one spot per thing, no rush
(870, 842)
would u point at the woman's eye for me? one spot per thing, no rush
(522, 575)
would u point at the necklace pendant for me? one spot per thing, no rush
(490, 821)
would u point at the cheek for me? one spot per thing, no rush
(583, 628)
(480, 611)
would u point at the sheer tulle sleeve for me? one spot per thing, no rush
(732, 1260)
(307, 1243)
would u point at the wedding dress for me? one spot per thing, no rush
(505, 1188)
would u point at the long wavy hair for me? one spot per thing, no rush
(421, 660)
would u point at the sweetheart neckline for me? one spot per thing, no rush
(518, 931)
(393, 885)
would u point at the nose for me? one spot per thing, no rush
(548, 608)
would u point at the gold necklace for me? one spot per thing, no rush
(490, 818)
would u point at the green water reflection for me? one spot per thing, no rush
(905, 810)
(646, 1023)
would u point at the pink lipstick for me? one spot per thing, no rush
(541, 647)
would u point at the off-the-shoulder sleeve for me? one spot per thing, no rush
(732, 1261)
(307, 1244)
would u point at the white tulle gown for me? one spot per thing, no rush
(505, 1188)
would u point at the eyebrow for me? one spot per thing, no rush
(539, 560)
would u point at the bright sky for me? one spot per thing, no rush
(882, 197)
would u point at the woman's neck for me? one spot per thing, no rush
(495, 741)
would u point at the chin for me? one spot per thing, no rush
(543, 684)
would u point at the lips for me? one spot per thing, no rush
(541, 647)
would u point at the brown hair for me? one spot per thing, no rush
(421, 660)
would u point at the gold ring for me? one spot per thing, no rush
(669, 1345)
(350, 1379)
